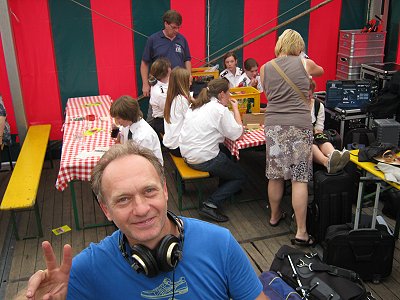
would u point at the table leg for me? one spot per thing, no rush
(74, 206)
(76, 214)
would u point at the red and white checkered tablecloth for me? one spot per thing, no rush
(75, 141)
(250, 139)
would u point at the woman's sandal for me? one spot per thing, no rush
(304, 243)
(282, 217)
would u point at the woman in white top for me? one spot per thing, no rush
(232, 72)
(207, 123)
(176, 106)
(159, 73)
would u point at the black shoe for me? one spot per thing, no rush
(213, 214)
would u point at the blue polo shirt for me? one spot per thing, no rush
(158, 45)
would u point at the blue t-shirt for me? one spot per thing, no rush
(158, 45)
(213, 266)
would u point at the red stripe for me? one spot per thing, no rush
(323, 38)
(193, 27)
(398, 46)
(114, 50)
(256, 14)
(35, 55)
(5, 91)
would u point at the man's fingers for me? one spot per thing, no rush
(67, 259)
(34, 282)
(49, 256)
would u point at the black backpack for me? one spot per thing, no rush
(358, 138)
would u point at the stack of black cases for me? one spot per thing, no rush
(332, 204)
(342, 120)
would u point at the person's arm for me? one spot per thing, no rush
(51, 283)
(235, 109)
(2, 125)
(312, 68)
(144, 72)
(188, 65)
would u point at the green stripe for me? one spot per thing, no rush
(353, 14)
(72, 31)
(392, 31)
(147, 19)
(226, 26)
(289, 9)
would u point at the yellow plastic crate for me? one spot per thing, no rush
(248, 99)
(202, 72)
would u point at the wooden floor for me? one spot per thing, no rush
(248, 223)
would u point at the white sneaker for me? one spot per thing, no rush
(344, 159)
(333, 161)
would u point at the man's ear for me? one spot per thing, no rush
(104, 208)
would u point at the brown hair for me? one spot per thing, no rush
(249, 64)
(228, 54)
(213, 88)
(126, 108)
(289, 42)
(159, 69)
(172, 16)
(178, 85)
(118, 151)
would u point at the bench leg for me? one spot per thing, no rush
(179, 189)
(14, 223)
(38, 220)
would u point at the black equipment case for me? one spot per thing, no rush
(379, 72)
(333, 198)
(367, 251)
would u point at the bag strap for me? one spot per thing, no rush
(336, 271)
(287, 79)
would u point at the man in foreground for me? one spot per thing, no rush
(154, 254)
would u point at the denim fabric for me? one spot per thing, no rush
(231, 176)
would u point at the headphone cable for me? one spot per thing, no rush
(173, 284)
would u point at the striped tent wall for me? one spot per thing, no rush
(76, 48)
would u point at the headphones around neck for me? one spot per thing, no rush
(164, 258)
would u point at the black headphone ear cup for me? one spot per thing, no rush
(144, 262)
(168, 253)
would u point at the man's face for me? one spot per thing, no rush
(171, 30)
(136, 200)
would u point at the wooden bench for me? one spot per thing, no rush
(187, 174)
(22, 188)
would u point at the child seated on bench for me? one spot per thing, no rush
(126, 113)
(322, 150)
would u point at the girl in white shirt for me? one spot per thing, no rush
(176, 106)
(207, 123)
(250, 77)
(159, 73)
(232, 72)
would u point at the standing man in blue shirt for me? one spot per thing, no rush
(168, 43)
